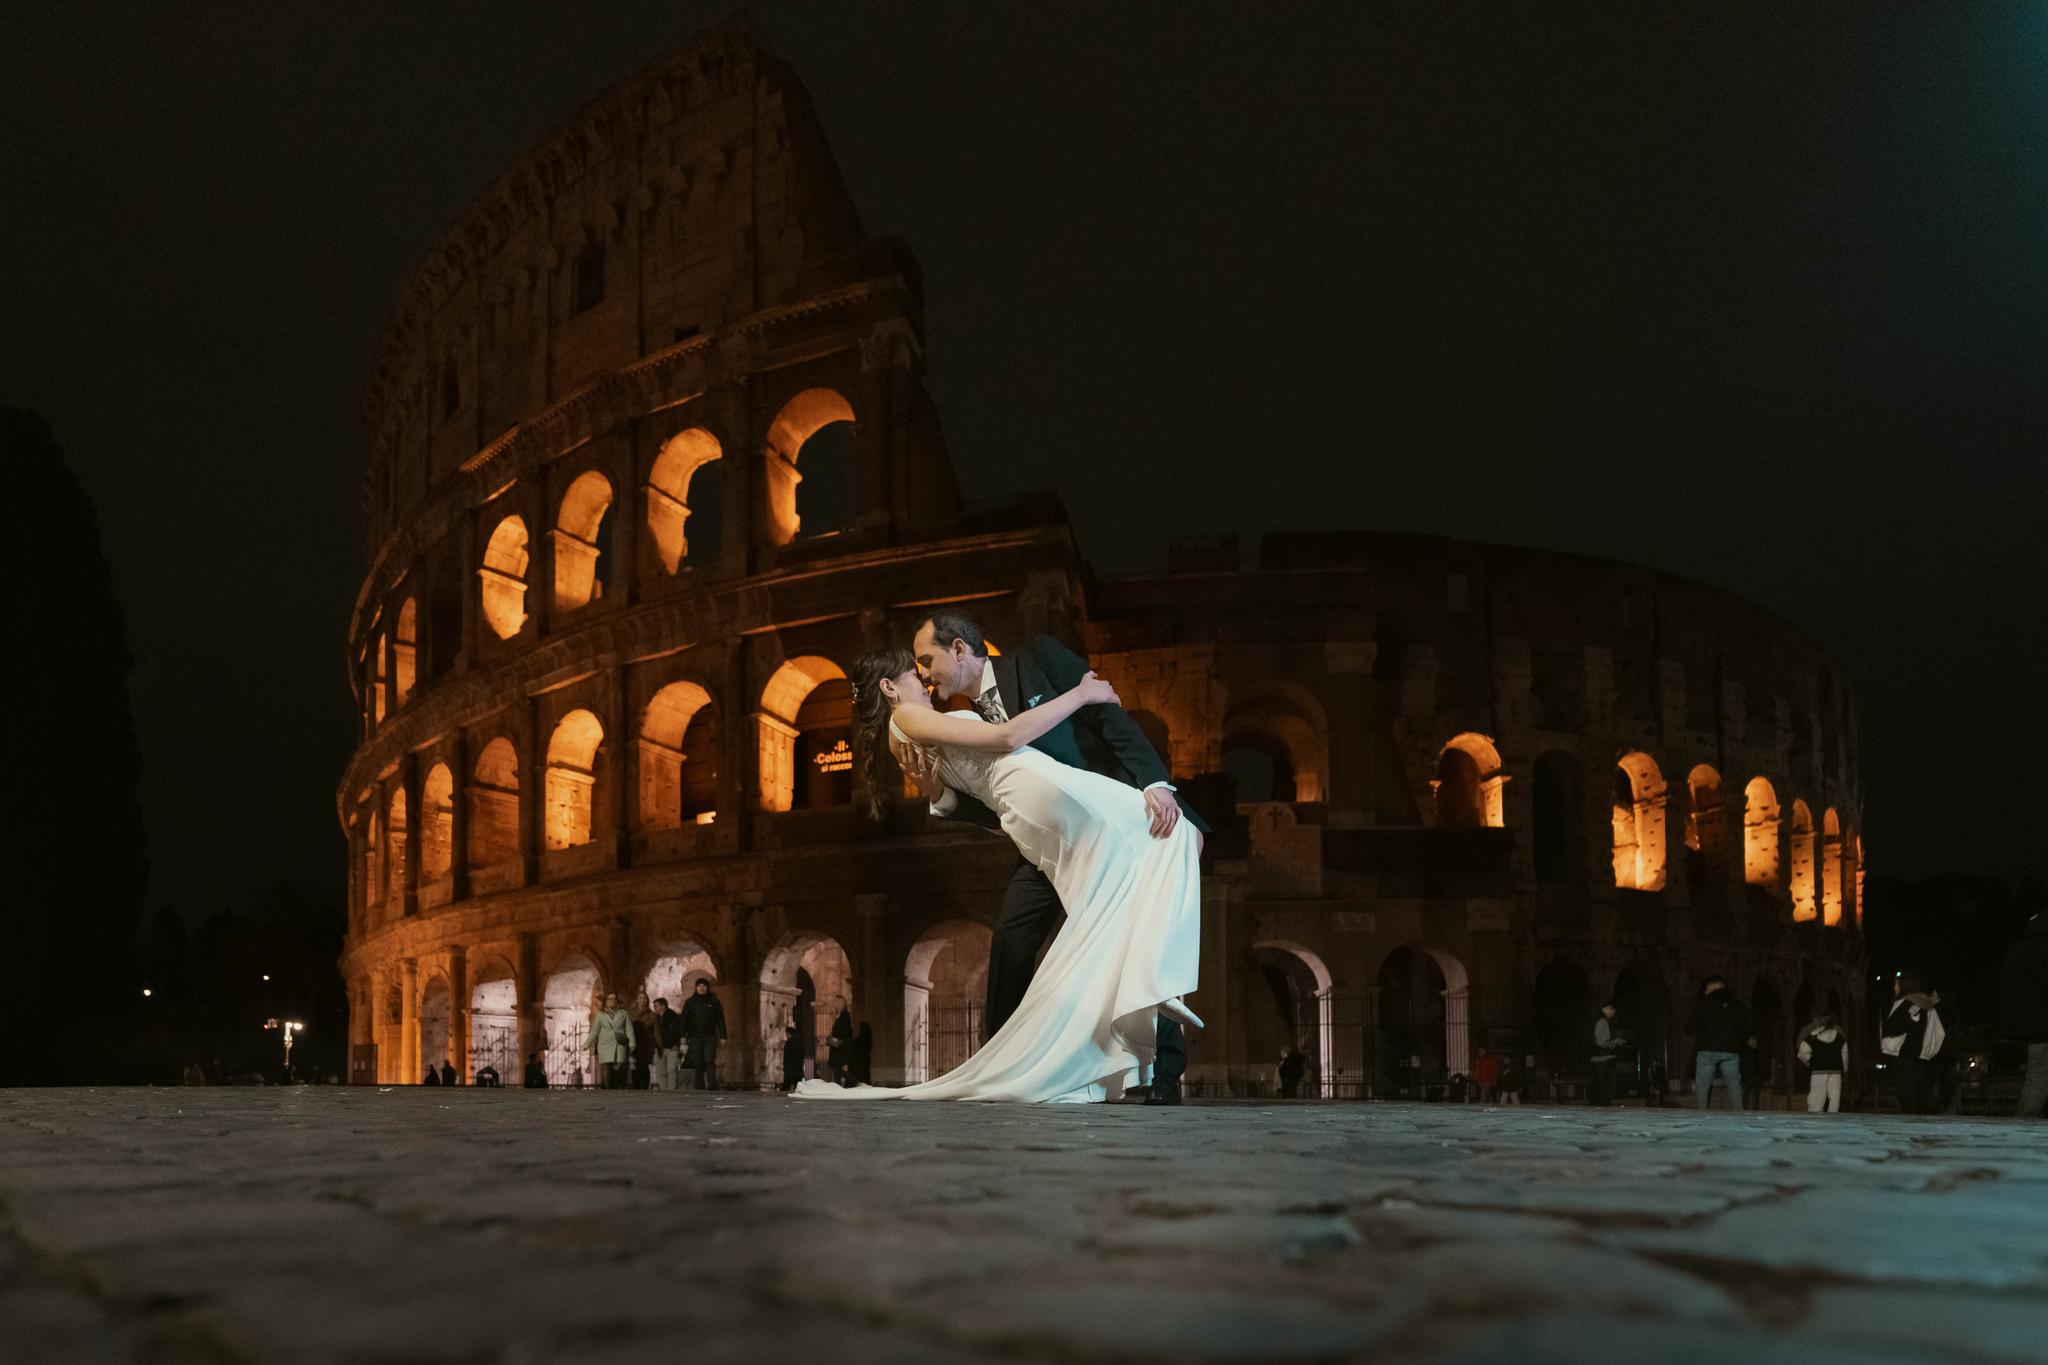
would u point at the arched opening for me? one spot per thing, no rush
(1801, 843)
(1295, 1014)
(494, 1025)
(1563, 1010)
(1424, 1031)
(493, 796)
(503, 579)
(1831, 867)
(378, 681)
(437, 824)
(1642, 1007)
(395, 849)
(1638, 823)
(1706, 826)
(806, 744)
(683, 488)
(404, 653)
(572, 779)
(679, 964)
(583, 537)
(437, 1018)
(566, 1011)
(373, 859)
(1760, 834)
(678, 758)
(818, 500)
(1858, 883)
(1468, 785)
(945, 987)
(805, 983)
(1556, 836)
(1273, 744)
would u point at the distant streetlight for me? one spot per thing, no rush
(145, 992)
(266, 976)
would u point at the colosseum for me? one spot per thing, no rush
(652, 461)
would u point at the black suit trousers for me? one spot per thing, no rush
(1031, 912)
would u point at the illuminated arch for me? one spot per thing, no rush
(678, 757)
(1706, 822)
(572, 779)
(1831, 867)
(503, 577)
(1468, 784)
(1803, 907)
(580, 540)
(1274, 743)
(800, 419)
(1760, 834)
(395, 850)
(437, 824)
(1326, 1063)
(945, 981)
(1638, 820)
(404, 649)
(804, 980)
(668, 492)
(781, 722)
(493, 796)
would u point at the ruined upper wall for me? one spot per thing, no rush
(695, 192)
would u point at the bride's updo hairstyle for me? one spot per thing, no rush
(871, 716)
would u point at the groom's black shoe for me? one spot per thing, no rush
(1162, 1092)
(1134, 1094)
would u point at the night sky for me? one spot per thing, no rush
(1760, 302)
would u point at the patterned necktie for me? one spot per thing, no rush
(990, 704)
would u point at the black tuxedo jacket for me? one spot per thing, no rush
(1103, 739)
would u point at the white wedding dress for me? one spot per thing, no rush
(1132, 936)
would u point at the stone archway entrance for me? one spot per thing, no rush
(437, 1017)
(804, 982)
(494, 1028)
(1424, 1033)
(945, 985)
(1563, 1017)
(1642, 1006)
(566, 1007)
(1299, 988)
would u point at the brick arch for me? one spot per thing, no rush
(801, 416)
(667, 491)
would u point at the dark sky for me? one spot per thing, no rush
(1759, 300)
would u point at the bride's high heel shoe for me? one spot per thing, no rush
(1176, 1009)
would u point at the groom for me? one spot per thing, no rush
(954, 658)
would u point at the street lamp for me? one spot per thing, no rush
(291, 1028)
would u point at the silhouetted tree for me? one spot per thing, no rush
(72, 866)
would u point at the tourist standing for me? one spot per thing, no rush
(836, 1045)
(611, 1043)
(1606, 1043)
(1912, 1033)
(860, 1056)
(792, 1057)
(1291, 1069)
(2023, 1009)
(643, 1042)
(1513, 1071)
(668, 1046)
(1720, 1031)
(1825, 1051)
(704, 1028)
(536, 1077)
(1485, 1076)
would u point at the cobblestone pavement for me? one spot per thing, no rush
(486, 1226)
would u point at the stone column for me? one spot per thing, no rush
(409, 1022)
(415, 827)
(738, 779)
(540, 565)
(623, 768)
(1354, 711)
(458, 816)
(627, 523)
(468, 562)
(458, 1012)
(533, 785)
(619, 948)
(532, 1018)
(878, 984)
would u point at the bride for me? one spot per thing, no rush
(1129, 947)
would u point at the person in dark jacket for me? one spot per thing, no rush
(448, 1074)
(860, 1057)
(1607, 1042)
(1825, 1051)
(792, 1057)
(839, 1042)
(432, 1077)
(704, 1027)
(536, 1077)
(1293, 1066)
(1720, 1032)
(1904, 1037)
(2023, 1009)
(668, 1047)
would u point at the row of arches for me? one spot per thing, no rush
(1819, 870)
(803, 985)
(803, 726)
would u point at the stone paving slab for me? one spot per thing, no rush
(363, 1225)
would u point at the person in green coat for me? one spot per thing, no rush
(611, 1042)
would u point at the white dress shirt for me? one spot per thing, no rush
(944, 805)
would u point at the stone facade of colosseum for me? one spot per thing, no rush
(652, 462)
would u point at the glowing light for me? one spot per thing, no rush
(837, 759)
(145, 992)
